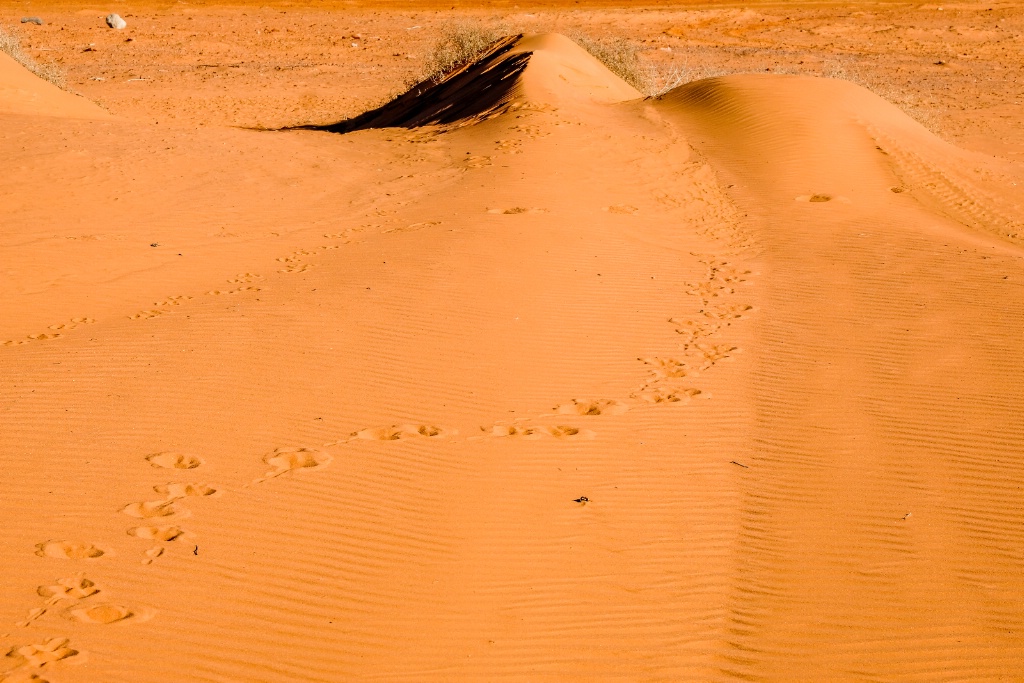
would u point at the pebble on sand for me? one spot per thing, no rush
(32, 20)
(115, 21)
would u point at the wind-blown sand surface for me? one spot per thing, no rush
(723, 385)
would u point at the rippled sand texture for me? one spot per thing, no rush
(575, 385)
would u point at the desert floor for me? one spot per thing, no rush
(722, 385)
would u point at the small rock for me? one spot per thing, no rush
(115, 21)
(32, 20)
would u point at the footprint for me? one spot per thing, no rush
(414, 227)
(694, 329)
(154, 509)
(153, 553)
(145, 315)
(172, 301)
(74, 588)
(516, 210)
(157, 533)
(40, 654)
(510, 146)
(396, 432)
(297, 268)
(68, 550)
(247, 278)
(708, 290)
(289, 459)
(532, 432)
(715, 352)
(174, 491)
(43, 336)
(661, 396)
(730, 312)
(665, 368)
(565, 432)
(732, 275)
(518, 431)
(599, 407)
(174, 461)
(478, 161)
(104, 613)
(624, 209)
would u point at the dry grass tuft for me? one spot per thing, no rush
(911, 105)
(10, 43)
(621, 56)
(459, 44)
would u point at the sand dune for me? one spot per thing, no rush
(21, 92)
(578, 385)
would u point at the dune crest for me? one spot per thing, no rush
(515, 72)
(819, 139)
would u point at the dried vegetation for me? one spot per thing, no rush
(10, 44)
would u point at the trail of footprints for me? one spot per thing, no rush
(158, 522)
(702, 343)
(55, 331)
(78, 598)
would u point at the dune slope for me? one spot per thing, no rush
(22, 92)
(593, 388)
(884, 492)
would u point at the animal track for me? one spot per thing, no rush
(396, 432)
(236, 290)
(153, 553)
(728, 312)
(531, 131)
(518, 431)
(68, 550)
(565, 432)
(74, 588)
(293, 262)
(713, 353)
(297, 268)
(71, 589)
(55, 333)
(517, 210)
(414, 227)
(173, 300)
(154, 509)
(694, 329)
(289, 459)
(157, 533)
(478, 161)
(247, 278)
(510, 146)
(173, 491)
(532, 432)
(176, 461)
(600, 407)
(624, 209)
(665, 368)
(146, 315)
(40, 654)
(105, 613)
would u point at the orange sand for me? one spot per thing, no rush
(722, 385)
